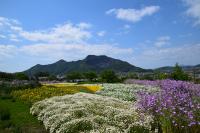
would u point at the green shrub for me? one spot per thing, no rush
(179, 74)
(4, 113)
(109, 76)
(5, 124)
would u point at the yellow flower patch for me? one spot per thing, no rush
(47, 91)
(93, 88)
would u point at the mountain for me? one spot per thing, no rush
(90, 63)
(164, 69)
(197, 66)
(185, 68)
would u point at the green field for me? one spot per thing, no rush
(20, 119)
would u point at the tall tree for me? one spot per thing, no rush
(73, 76)
(109, 76)
(90, 75)
(179, 74)
(6, 76)
(21, 76)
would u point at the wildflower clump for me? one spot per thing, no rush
(176, 108)
(127, 92)
(84, 112)
(47, 91)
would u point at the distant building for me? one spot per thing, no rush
(43, 78)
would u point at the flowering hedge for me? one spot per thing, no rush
(176, 107)
(83, 112)
(127, 92)
(144, 82)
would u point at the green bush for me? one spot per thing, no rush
(74, 75)
(179, 74)
(21, 76)
(4, 125)
(90, 75)
(4, 113)
(109, 76)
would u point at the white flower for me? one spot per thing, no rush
(127, 92)
(84, 112)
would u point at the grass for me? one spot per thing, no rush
(20, 117)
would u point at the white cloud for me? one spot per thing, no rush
(2, 36)
(125, 29)
(193, 10)
(126, 26)
(60, 34)
(14, 38)
(16, 28)
(7, 51)
(67, 32)
(185, 54)
(67, 41)
(101, 33)
(133, 15)
(161, 41)
(72, 50)
(84, 25)
(50, 52)
(8, 22)
(10, 29)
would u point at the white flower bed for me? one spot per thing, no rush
(84, 112)
(127, 92)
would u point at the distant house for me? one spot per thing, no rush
(43, 78)
(197, 76)
(77, 80)
(60, 77)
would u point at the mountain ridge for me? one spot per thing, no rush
(97, 63)
(90, 63)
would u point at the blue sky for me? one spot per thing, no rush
(146, 33)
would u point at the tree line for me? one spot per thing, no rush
(108, 76)
(13, 76)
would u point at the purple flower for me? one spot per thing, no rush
(192, 123)
(177, 100)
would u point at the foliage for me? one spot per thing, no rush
(42, 74)
(109, 76)
(52, 77)
(161, 75)
(90, 75)
(21, 76)
(132, 75)
(18, 119)
(74, 75)
(46, 91)
(5, 90)
(13, 76)
(7, 87)
(84, 112)
(4, 113)
(176, 107)
(6, 76)
(147, 77)
(179, 74)
(125, 92)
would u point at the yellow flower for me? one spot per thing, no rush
(47, 90)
